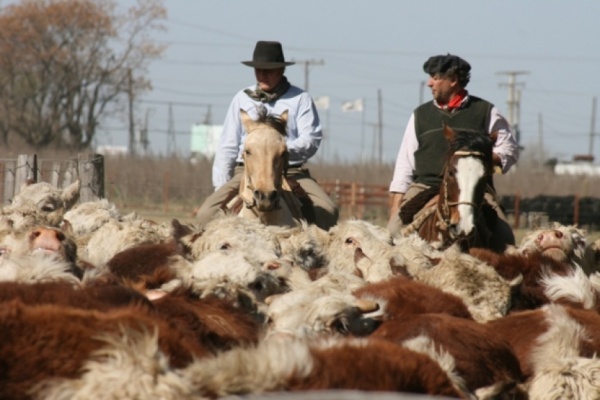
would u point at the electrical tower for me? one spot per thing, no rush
(514, 100)
(171, 143)
(307, 64)
(144, 142)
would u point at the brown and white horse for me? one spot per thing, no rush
(263, 189)
(457, 215)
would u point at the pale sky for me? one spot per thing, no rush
(367, 46)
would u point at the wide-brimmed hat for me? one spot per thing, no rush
(443, 63)
(267, 55)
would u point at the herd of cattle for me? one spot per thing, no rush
(96, 304)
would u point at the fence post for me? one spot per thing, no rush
(26, 171)
(576, 210)
(166, 180)
(55, 174)
(91, 174)
(9, 180)
(517, 210)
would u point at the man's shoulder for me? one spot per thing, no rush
(475, 99)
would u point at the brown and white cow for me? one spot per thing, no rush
(557, 348)
(285, 364)
(46, 203)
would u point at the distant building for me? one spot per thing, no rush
(582, 164)
(112, 150)
(204, 140)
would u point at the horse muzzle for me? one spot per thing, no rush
(266, 201)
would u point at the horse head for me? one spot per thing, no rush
(265, 158)
(468, 171)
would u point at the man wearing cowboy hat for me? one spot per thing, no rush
(419, 166)
(273, 92)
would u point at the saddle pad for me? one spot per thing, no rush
(416, 204)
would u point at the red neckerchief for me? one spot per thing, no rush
(456, 101)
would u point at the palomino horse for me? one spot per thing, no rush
(264, 190)
(458, 213)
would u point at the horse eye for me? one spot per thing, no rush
(247, 152)
(349, 240)
(225, 246)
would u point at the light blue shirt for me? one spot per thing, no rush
(303, 130)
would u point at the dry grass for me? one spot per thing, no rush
(165, 187)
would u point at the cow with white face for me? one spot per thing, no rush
(233, 233)
(37, 254)
(563, 243)
(42, 200)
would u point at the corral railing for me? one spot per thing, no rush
(362, 200)
(88, 168)
(355, 199)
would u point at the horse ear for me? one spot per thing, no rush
(247, 122)
(448, 132)
(284, 116)
(494, 136)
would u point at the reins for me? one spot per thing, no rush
(444, 219)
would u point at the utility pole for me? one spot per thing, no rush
(541, 139)
(144, 142)
(132, 144)
(307, 64)
(380, 126)
(171, 144)
(593, 127)
(514, 100)
(208, 116)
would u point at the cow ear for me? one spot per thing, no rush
(70, 194)
(66, 228)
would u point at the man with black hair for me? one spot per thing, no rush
(275, 94)
(420, 159)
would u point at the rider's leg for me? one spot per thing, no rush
(395, 224)
(326, 212)
(211, 207)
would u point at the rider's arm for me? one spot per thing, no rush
(305, 131)
(228, 146)
(403, 170)
(395, 201)
(506, 149)
(405, 162)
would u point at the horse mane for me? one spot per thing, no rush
(472, 141)
(273, 121)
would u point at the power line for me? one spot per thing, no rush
(307, 64)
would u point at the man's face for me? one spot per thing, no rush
(267, 79)
(443, 88)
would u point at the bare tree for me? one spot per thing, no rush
(66, 64)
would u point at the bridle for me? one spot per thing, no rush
(443, 216)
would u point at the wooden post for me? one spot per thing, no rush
(55, 173)
(517, 211)
(353, 199)
(9, 180)
(166, 180)
(26, 171)
(576, 210)
(91, 174)
(70, 174)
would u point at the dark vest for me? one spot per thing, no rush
(429, 119)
